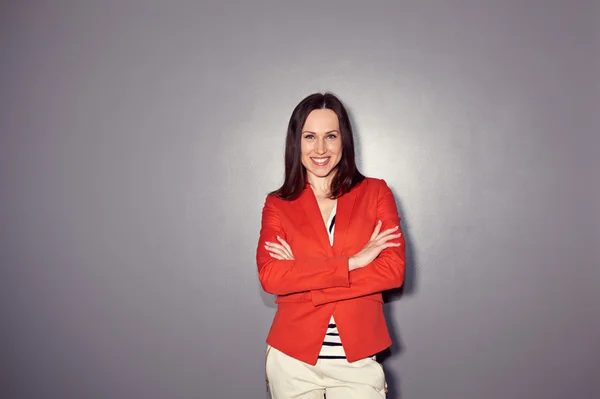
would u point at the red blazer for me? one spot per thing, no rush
(317, 283)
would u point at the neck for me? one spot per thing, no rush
(320, 185)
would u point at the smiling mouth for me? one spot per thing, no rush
(320, 161)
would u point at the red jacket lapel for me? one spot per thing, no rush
(343, 216)
(313, 214)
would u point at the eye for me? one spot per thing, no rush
(309, 136)
(332, 136)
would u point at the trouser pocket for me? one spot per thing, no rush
(385, 389)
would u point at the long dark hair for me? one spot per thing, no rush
(346, 173)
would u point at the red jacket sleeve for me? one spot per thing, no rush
(385, 272)
(282, 277)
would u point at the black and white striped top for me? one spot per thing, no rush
(332, 345)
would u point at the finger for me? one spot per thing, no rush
(386, 245)
(387, 238)
(273, 245)
(277, 250)
(390, 245)
(387, 232)
(376, 231)
(390, 236)
(281, 253)
(276, 256)
(282, 250)
(390, 230)
(286, 245)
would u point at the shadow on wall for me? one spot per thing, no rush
(409, 286)
(394, 295)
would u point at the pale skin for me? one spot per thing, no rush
(321, 151)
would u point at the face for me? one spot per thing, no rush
(321, 143)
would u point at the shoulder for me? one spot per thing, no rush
(374, 184)
(375, 188)
(273, 201)
(374, 181)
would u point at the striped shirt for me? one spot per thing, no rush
(332, 345)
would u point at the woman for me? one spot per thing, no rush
(330, 243)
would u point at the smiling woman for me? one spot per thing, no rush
(313, 123)
(330, 244)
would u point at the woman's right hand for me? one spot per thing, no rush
(378, 242)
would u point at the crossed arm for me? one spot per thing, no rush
(282, 276)
(379, 266)
(385, 272)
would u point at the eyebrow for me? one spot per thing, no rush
(331, 131)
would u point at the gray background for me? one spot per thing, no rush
(139, 140)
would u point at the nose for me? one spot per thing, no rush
(320, 148)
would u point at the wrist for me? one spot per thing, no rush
(352, 264)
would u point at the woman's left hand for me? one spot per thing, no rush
(280, 251)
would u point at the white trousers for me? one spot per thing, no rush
(337, 378)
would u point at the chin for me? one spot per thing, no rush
(322, 173)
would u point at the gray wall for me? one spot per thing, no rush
(139, 140)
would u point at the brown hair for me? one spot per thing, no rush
(346, 173)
